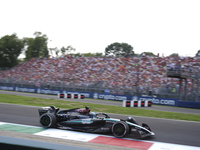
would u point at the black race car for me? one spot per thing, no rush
(83, 120)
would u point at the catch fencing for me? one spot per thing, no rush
(165, 92)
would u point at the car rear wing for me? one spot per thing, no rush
(46, 108)
(43, 110)
(51, 109)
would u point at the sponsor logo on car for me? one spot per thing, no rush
(133, 129)
(105, 129)
(87, 121)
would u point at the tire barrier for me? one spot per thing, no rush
(61, 95)
(82, 96)
(71, 95)
(76, 96)
(132, 103)
(145, 103)
(126, 103)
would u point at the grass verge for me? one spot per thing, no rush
(34, 101)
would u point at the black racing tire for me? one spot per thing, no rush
(48, 120)
(120, 129)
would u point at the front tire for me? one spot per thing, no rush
(48, 120)
(120, 129)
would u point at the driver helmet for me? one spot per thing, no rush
(93, 115)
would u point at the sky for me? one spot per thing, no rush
(157, 26)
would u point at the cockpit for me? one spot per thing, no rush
(93, 115)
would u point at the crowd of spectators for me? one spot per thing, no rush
(145, 73)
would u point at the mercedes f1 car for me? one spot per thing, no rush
(83, 120)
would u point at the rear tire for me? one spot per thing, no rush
(48, 120)
(120, 129)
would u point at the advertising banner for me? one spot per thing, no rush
(108, 96)
(157, 101)
(7, 88)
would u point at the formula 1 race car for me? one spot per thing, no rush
(83, 120)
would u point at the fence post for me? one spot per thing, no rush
(197, 95)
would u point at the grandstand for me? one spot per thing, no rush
(187, 72)
(145, 75)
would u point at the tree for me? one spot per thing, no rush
(29, 51)
(119, 49)
(63, 50)
(98, 54)
(148, 54)
(87, 54)
(56, 51)
(10, 48)
(37, 47)
(198, 53)
(69, 49)
(51, 50)
(174, 55)
(92, 54)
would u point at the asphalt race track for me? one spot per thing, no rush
(166, 130)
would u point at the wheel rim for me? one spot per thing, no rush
(119, 130)
(45, 120)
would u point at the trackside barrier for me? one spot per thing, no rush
(82, 96)
(105, 96)
(71, 95)
(132, 103)
(146, 103)
(126, 103)
(76, 96)
(61, 95)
